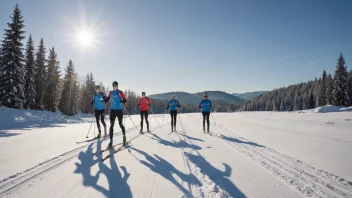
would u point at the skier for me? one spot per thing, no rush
(99, 100)
(173, 104)
(144, 104)
(205, 105)
(117, 97)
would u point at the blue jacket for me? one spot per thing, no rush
(205, 105)
(116, 98)
(173, 104)
(99, 101)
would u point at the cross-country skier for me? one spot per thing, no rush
(173, 104)
(116, 97)
(144, 104)
(99, 100)
(205, 105)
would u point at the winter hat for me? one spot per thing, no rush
(115, 83)
(205, 94)
(97, 87)
(143, 93)
(173, 96)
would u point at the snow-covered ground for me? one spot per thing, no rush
(247, 154)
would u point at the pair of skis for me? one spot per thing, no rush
(119, 148)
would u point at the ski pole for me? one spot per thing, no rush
(90, 126)
(181, 123)
(213, 118)
(163, 119)
(129, 117)
(156, 120)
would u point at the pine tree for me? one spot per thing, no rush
(311, 103)
(69, 102)
(322, 90)
(41, 76)
(329, 90)
(340, 83)
(30, 92)
(349, 80)
(53, 79)
(12, 68)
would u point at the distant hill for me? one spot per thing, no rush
(249, 95)
(188, 98)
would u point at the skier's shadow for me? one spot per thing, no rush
(117, 183)
(240, 141)
(180, 144)
(165, 169)
(217, 176)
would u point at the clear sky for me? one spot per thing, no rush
(193, 45)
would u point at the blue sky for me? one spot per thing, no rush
(194, 45)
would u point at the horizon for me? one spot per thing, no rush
(234, 47)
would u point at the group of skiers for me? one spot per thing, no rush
(116, 97)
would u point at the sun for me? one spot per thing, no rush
(85, 38)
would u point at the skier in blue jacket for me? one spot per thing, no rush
(173, 104)
(205, 105)
(99, 100)
(116, 97)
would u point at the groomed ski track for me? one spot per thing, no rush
(186, 163)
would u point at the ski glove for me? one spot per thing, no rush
(123, 101)
(200, 106)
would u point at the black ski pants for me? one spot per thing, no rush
(144, 114)
(113, 115)
(173, 114)
(99, 115)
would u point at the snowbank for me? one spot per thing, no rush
(20, 119)
(329, 109)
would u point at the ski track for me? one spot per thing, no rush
(14, 181)
(303, 178)
(309, 181)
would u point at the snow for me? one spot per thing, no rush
(247, 154)
(329, 109)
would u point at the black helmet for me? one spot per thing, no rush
(143, 93)
(115, 83)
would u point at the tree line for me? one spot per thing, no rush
(327, 90)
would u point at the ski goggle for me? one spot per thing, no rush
(115, 86)
(205, 96)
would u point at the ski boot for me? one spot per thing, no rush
(124, 140)
(148, 129)
(99, 135)
(141, 131)
(110, 145)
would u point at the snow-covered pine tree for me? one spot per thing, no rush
(53, 79)
(340, 92)
(69, 102)
(311, 100)
(30, 92)
(41, 75)
(322, 90)
(349, 82)
(329, 90)
(12, 68)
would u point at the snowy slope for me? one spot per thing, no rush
(256, 154)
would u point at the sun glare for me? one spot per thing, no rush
(85, 38)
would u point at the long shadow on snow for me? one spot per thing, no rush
(189, 137)
(240, 141)
(180, 144)
(165, 169)
(117, 184)
(217, 176)
(7, 134)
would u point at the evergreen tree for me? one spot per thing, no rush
(349, 80)
(340, 92)
(41, 76)
(30, 92)
(12, 68)
(69, 102)
(311, 103)
(322, 90)
(53, 79)
(329, 90)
